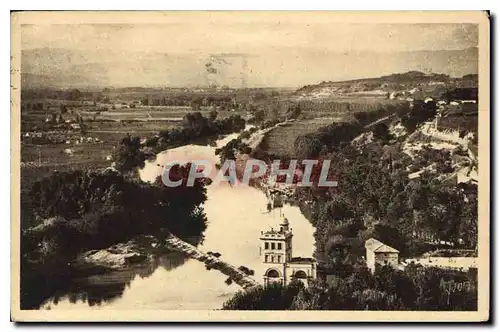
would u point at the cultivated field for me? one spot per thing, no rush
(280, 141)
(88, 149)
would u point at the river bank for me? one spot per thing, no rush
(236, 215)
(211, 262)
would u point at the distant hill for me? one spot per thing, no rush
(283, 67)
(415, 81)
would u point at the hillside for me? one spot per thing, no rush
(413, 82)
(284, 67)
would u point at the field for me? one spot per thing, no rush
(316, 114)
(339, 106)
(72, 149)
(106, 122)
(280, 141)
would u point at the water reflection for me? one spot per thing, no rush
(102, 289)
(236, 215)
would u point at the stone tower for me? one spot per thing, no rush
(279, 266)
(275, 251)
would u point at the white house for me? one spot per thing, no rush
(380, 253)
(279, 266)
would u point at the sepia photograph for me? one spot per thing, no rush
(250, 166)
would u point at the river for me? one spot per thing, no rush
(236, 216)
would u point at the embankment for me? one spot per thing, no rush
(211, 262)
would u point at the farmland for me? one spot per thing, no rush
(280, 141)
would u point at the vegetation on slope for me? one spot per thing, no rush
(69, 213)
(416, 288)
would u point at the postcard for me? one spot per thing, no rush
(250, 166)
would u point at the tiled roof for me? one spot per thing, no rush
(377, 246)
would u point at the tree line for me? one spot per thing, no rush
(415, 288)
(131, 153)
(68, 213)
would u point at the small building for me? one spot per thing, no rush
(380, 253)
(69, 151)
(466, 175)
(278, 262)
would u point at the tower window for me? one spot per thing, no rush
(272, 259)
(266, 258)
(266, 245)
(279, 246)
(273, 245)
(279, 258)
(281, 229)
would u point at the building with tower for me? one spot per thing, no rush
(276, 255)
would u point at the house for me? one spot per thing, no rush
(467, 175)
(380, 253)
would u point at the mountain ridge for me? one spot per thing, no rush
(65, 68)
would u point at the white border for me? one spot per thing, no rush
(144, 5)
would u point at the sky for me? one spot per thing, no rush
(259, 50)
(247, 37)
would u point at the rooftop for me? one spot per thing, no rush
(377, 246)
(278, 233)
(275, 233)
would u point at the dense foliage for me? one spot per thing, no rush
(195, 128)
(69, 213)
(415, 288)
(326, 139)
(131, 154)
(376, 198)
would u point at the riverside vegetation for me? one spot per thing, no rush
(69, 213)
(375, 198)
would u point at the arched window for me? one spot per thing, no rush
(300, 275)
(273, 274)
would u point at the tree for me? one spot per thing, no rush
(196, 104)
(307, 146)
(213, 115)
(271, 297)
(293, 112)
(88, 210)
(129, 156)
(74, 94)
(419, 113)
(381, 131)
(415, 288)
(259, 115)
